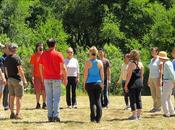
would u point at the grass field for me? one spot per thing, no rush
(114, 118)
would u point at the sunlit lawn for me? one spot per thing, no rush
(114, 118)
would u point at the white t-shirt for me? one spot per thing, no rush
(72, 67)
(154, 71)
(123, 73)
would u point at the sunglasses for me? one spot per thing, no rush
(69, 52)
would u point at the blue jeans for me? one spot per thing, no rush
(53, 93)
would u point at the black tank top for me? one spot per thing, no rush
(136, 78)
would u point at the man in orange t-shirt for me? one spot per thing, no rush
(53, 71)
(36, 77)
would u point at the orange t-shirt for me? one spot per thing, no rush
(51, 61)
(34, 60)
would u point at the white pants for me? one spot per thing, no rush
(167, 105)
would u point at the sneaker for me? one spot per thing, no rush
(38, 106)
(12, 116)
(18, 117)
(56, 119)
(152, 110)
(69, 107)
(132, 118)
(74, 106)
(127, 107)
(172, 115)
(139, 117)
(6, 108)
(157, 110)
(50, 119)
(167, 116)
(44, 106)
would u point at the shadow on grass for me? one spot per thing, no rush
(44, 122)
(30, 109)
(4, 119)
(153, 116)
(118, 119)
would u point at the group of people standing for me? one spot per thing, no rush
(161, 82)
(50, 70)
(12, 79)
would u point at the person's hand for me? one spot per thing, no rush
(84, 87)
(159, 82)
(126, 88)
(117, 84)
(78, 79)
(4, 81)
(102, 85)
(109, 81)
(65, 81)
(25, 83)
(149, 83)
(32, 79)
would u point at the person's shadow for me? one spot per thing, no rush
(44, 122)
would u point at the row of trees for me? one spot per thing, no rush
(116, 25)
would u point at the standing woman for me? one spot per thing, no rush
(73, 78)
(134, 84)
(155, 79)
(36, 76)
(93, 83)
(122, 80)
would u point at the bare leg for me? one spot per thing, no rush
(37, 97)
(139, 112)
(43, 96)
(18, 105)
(12, 98)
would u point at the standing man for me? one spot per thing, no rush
(36, 77)
(107, 78)
(53, 71)
(6, 91)
(16, 80)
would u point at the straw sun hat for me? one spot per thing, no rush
(163, 55)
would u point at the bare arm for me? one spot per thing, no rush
(102, 75)
(129, 74)
(85, 75)
(120, 78)
(64, 70)
(21, 73)
(109, 74)
(41, 72)
(2, 75)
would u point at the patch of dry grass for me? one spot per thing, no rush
(114, 118)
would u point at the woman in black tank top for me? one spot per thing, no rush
(134, 84)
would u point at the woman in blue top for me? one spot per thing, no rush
(93, 83)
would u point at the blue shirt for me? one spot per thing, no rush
(169, 73)
(94, 73)
(173, 64)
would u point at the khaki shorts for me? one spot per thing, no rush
(16, 87)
